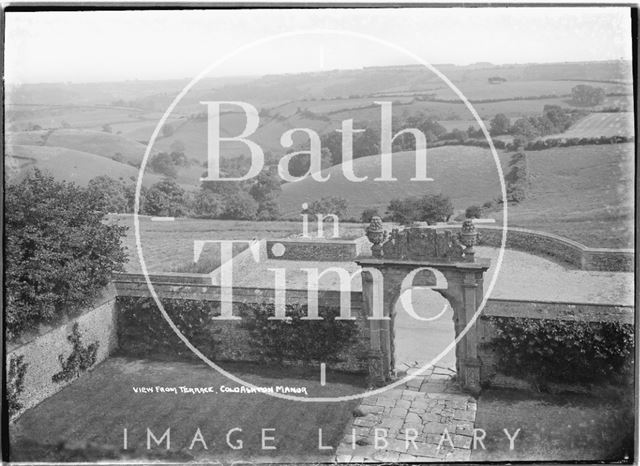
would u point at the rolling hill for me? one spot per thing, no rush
(584, 193)
(193, 134)
(66, 164)
(601, 124)
(466, 174)
(581, 192)
(94, 142)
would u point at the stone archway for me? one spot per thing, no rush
(425, 255)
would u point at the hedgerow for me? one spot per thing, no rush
(549, 350)
(297, 339)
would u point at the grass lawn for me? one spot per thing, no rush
(168, 246)
(553, 427)
(98, 406)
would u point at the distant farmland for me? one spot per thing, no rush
(466, 174)
(66, 164)
(601, 124)
(582, 192)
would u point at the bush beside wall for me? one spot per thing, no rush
(564, 351)
(143, 332)
(542, 344)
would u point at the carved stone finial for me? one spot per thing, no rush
(469, 238)
(377, 235)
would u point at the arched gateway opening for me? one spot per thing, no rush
(430, 257)
(419, 341)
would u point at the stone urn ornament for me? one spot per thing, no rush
(469, 238)
(377, 235)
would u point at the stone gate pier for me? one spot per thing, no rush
(429, 257)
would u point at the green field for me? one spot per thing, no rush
(21, 117)
(168, 246)
(602, 124)
(479, 90)
(466, 174)
(584, 193)
(68, 164)
(94, 142)
(193, 134)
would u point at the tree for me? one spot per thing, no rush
(165, 198)
(523, 127)
(163, 163)
(110, 193)
(435, 208)
(208, 204)
(266, 186)
(517, 179)
(107, 128)
(366, 143)
(458, 135)
(326, 158)
(429, 208)
(269, 210)
(265, 191)
(473, 211)
(299, 164)
(240, 207)
(130, 195)
(559, 117)
(402, 211)
(500, 124)
(368, 214)
(587, 96)
(179, 159)
(59, 253)
(332, 142)
(328, 205)
(224, 188)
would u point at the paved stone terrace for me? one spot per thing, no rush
(429, 408)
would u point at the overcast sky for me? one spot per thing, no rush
(119, 45)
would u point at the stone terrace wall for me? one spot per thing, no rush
(539, 243)
(232, 341)
(557, 248)
(516, 309)
(41, 352)
(608, 259)
(313, 249)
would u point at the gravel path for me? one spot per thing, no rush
(522, 276)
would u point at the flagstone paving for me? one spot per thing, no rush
(428, 419)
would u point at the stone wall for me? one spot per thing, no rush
(232, 342)
(557, 248)
(489, 374)
(313, 249)
(548, 245)
(608, 259)
(41, 351)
